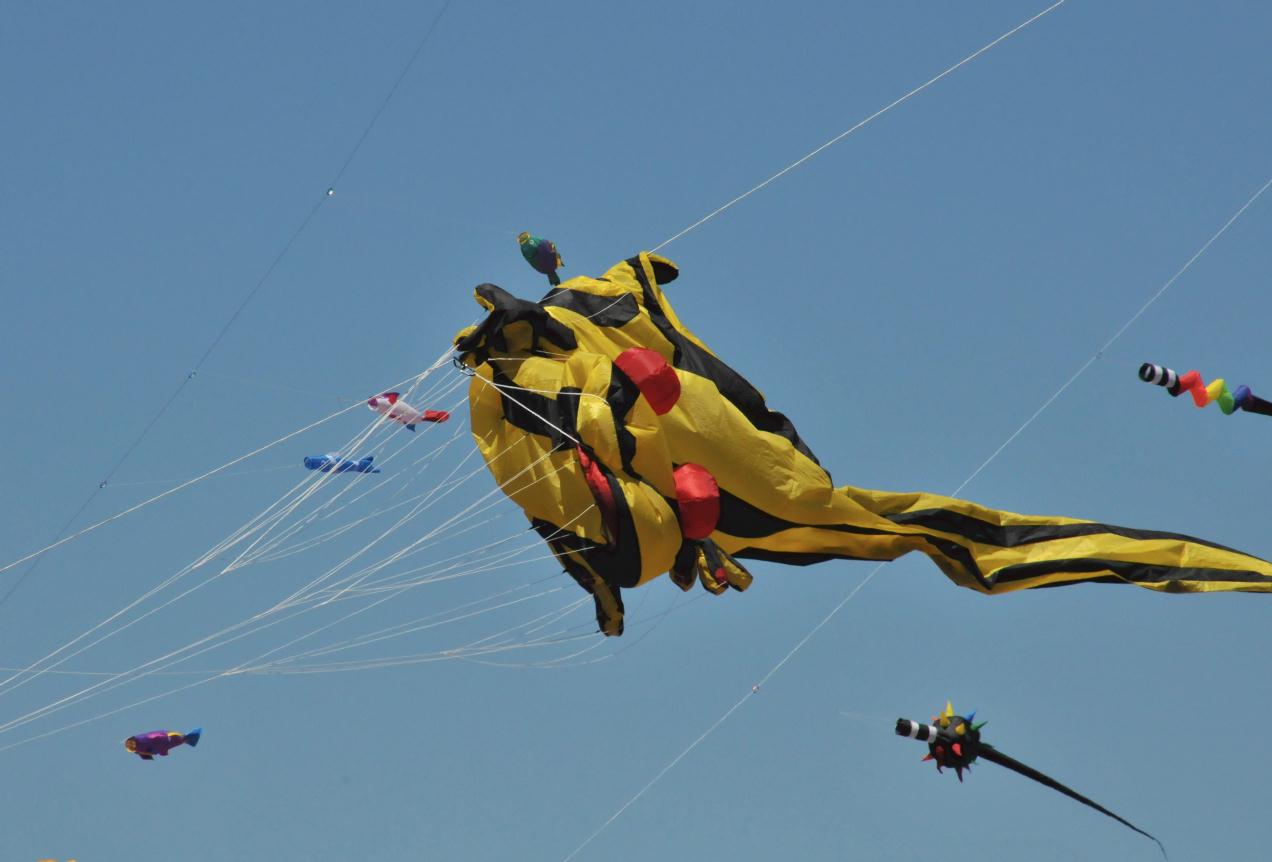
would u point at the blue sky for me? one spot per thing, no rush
(910, 297)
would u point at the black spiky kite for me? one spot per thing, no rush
(955, 741)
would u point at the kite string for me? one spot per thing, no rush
(269, 271)
(350, 449)
(1116, 335)
(273, 667)
(326, 510)
(431, 534)
(409, 627)
(468, 512)
(176, 656)
(275, 553)
(133, 675)
(375, 118)
(241, 669)
(188, 483)
(392, 630)
(254, 525)
(283, 387)
(755, 689)
(793, 165)
(255, 472)
(250, 666)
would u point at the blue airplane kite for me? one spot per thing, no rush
(336, 464)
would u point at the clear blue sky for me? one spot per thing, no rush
(909, 298)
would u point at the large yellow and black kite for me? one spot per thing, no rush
(636, 452)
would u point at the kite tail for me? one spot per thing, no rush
(1002, 551)
(554, 279)
(989, 550)
(1252, 403)
(993, 755)
(192, 738)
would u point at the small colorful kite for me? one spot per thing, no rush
(336, 464)
(542, 254)
(1204, 393)
(390, 406)
(954, 741)
(160, 742)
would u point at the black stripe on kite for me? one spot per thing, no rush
(506, 309)
(601, 310)
(618, 565)
(536, 413)
(1136, 573)
(739, 518)
(620, 559)
(582, 577)
(790, 558)
(621, 396)
(1011, 536)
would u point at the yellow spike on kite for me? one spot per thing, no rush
(949, 708)
(961, 729)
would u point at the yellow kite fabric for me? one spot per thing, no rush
(636, 452)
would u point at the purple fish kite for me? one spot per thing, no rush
(147, 745)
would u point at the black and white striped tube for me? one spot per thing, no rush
(914, 730)
(1161, 376)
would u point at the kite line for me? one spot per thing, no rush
(879, 113)
(269, 271)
